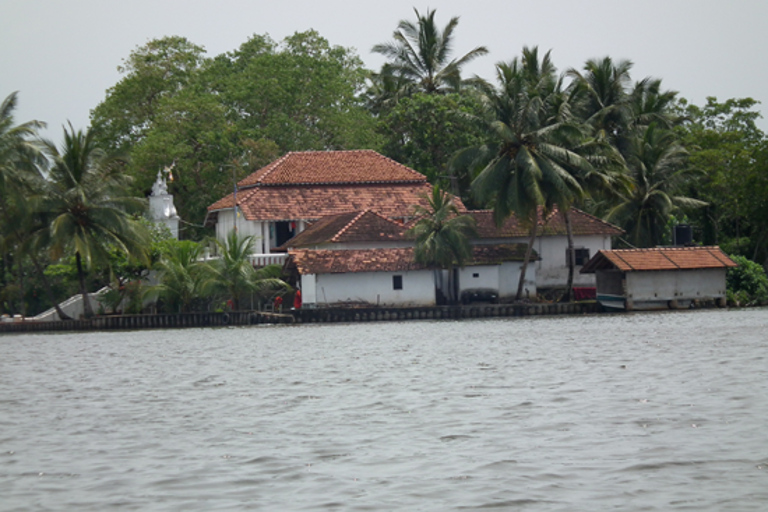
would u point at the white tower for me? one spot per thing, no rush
(161, 206)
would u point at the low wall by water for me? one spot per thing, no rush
(319, 315)
(379, 314)
(162, 321)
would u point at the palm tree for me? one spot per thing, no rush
(529, 164)
(601, 96)
(21, 161)
(87, 209)
(420, 53)
(441, 235)
(180, 275)
(232, 274)
(657, 165)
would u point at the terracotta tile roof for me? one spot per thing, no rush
(554, 224)
(393, 201)
(365, 226)
(350, 261)
(659, 258)
(332, 167)
(324, 261)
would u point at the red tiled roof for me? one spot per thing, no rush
(659, 258)
(350, 261)
(332, 167)
(395, 200)
(582, 223)
(324, 261)
(365, 226)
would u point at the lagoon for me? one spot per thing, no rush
(644, 411)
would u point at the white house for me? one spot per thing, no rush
(659, 278)
(590, 235)
(392, 277)
(280, 200)
(361, 200)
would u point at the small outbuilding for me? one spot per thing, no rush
(659, 278)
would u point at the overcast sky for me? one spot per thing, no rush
(63, 55)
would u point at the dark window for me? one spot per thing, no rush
(582, 256)
(475, 275)
(397, 282)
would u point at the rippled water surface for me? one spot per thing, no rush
(660, 412)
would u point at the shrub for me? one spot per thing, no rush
(747, 283)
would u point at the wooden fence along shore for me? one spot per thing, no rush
(319, 315)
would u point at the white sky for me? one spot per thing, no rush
(62, 55)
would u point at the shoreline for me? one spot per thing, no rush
(308, 316)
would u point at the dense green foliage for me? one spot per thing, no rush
(747, 283)
(217, 120)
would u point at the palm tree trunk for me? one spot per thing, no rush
(83, 291)
(527, 258)
(571, 256)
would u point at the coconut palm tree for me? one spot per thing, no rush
(441, 235)
(657, 165)
(419, 55)
(87, 209)
(601, 98)
(530, 162)
(232, 275)
(21, 162)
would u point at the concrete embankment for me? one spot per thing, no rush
(319, 315)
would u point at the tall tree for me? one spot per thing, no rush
(424, 130)
(442, 235)
(419, 55)
(21, 162)
(303, 93)
(528, 164)
(153, 72)
(657, 164)
(87, 207)
(731, 154)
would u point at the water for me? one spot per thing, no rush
(663, 411)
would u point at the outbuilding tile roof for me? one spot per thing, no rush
(332, 167)
(365, 226)
(659, 258)
(582, 223)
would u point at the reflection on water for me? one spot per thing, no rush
(632, 412)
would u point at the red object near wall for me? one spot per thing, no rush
(297, 300)
(584, 293)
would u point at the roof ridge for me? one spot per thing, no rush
(271, 167)
(335, 238)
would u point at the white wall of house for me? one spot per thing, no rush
(552, 269)
(370, 287)
(264, 231)
(665, 285)
(479, 276)
(510, 277)
(503, 278)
